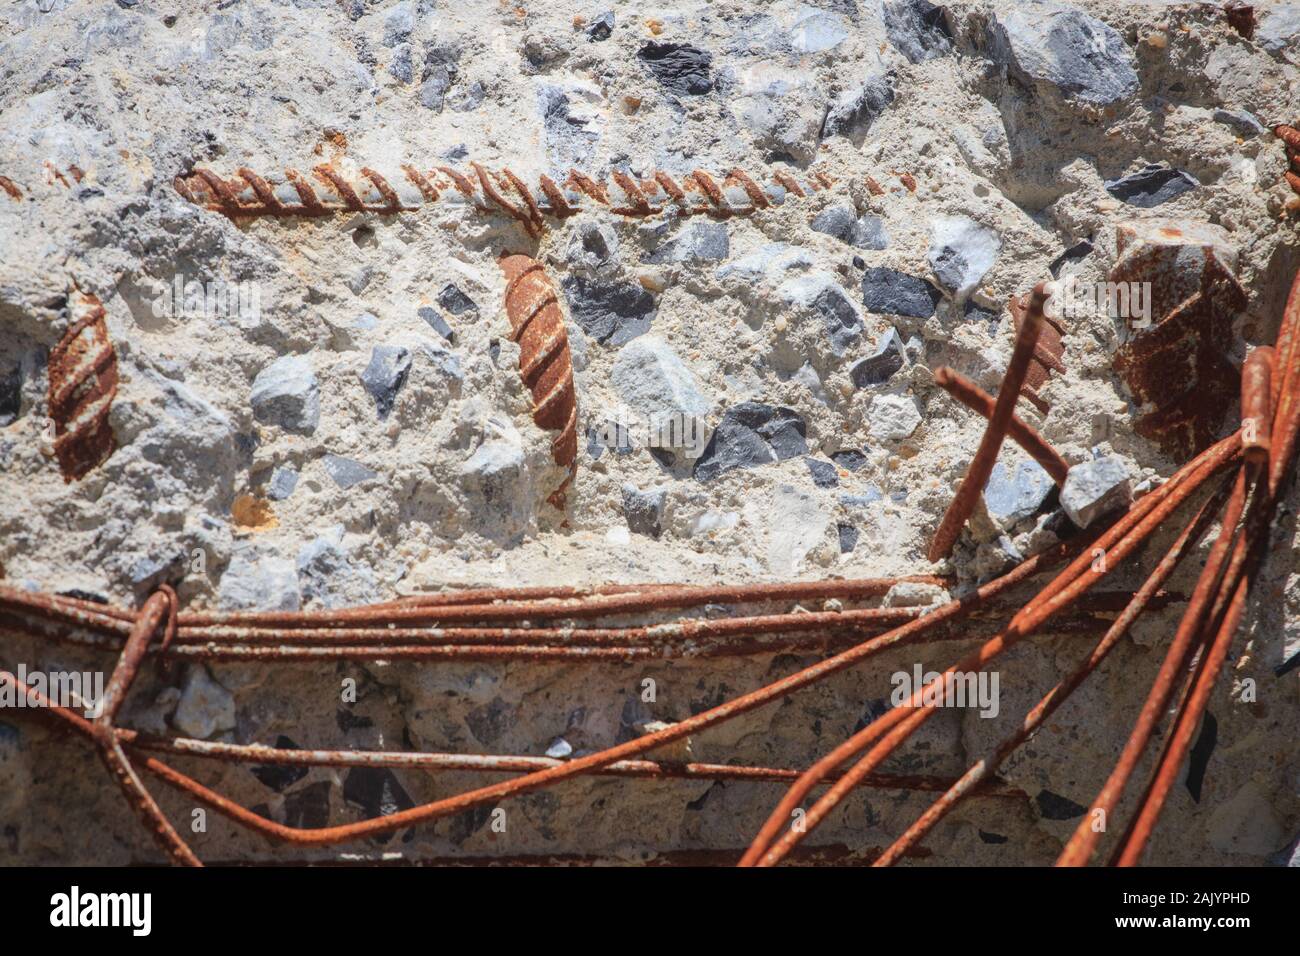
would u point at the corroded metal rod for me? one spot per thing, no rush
(330, 190)
(976, 399)
(984, 768)
(1256, 402)
(981, 466)
(894, 727)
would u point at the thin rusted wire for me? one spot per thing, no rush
(1116, 543)
(909, 632)
(981, 466)
(985, 767)
(975, 398)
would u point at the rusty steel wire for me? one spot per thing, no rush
(551, 623)
(1023, 434)
(1209, 624)
(981, 466)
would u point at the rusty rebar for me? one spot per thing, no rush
(545, 365)
(1256, 401)
(976, 399)
(981, 466)
(1081, 845)
(331, 191)
(1115, 544)
(102, 730)
(980, 771)
(82, 385)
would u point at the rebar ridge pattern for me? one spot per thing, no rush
(545, 365)
(329, 191)
(82, 384)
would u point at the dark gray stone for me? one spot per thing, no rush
(839, 316)
(823, 473)
(151, 570)
(488, 722)
(359, 279)
(309, 807)
(608, 436)
(11, 395)
(283, 481)
(1152, 185)
(285, 394)
(880, 366)
(401, 68)
(917, 29)
(384, 377)
(327, 575)
(399, 23)
(837, 221)
(346, 472)
(377, 792)
(455, 301)
(644, 510)
(280, 778)
(694, 242)
(1199, 758)
(891, 292)
(1094, 488)
(609, 312)
(848, 537)
(857, 108)
(1242, 121)
(850, 459)
(1053, 806)
(821, 294)
(592, 244)
(679, 67)
(465, 98)
(862, 232)
(869, 233)
(600, 28)
(255, 580)
(437, 322)
(961, 253)
(433, 88)
(752, 434)
(1011, 495)
(970, 312)
(1064, 51)
(570, 139)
